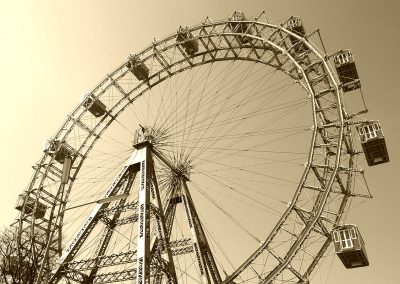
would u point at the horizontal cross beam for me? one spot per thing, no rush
(178, 247)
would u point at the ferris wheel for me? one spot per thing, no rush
(223, 153)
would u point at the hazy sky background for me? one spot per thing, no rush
(51, 52)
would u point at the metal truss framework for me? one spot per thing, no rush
(218, 41)
(153, 259)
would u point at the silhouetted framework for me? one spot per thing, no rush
(320, 198)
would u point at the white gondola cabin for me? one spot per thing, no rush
(346, 70)
(295, 25)
(239, 26)
(373, 143)
(187, 41)
(40, 210)
(349, 246)
(93, 105)
(59, 150)
(138, 68)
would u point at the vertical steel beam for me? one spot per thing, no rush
(143, 237)
(163, 233)
(149, 203)
(204, 257)
(204, 277)
(204, 246)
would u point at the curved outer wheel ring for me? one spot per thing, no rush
(270, 45)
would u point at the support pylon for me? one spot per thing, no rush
(149, 203)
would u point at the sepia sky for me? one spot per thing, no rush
(51, 52)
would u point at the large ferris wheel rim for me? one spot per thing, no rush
(110, 81)
(151, 50)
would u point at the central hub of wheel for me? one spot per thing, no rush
(149, 135)
(144, 134)
(175, 177)
(157, 137)
(183, 167)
